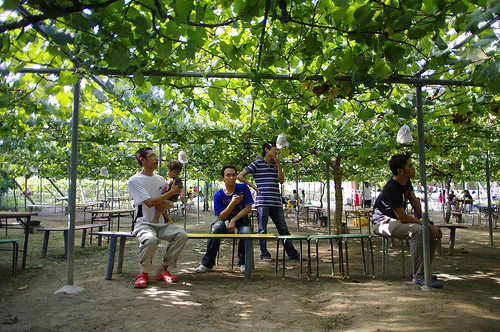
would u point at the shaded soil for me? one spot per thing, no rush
(222, 300)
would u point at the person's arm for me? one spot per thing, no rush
(154, 201)
(245, 211)
(281, 176)
(406, 218)
(242, 179)
(415, 203)
(235, 200)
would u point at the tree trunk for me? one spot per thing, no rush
(337, 178)
(206, 200)
(322, 186)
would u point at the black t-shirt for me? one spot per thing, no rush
(170, 182)
(393, 196)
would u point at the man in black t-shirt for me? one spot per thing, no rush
(390, 217)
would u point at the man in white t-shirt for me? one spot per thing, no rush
(146, 188)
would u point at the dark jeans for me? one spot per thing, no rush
(278, 216)
(219, 227)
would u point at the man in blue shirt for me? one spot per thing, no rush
(232, 204)
(268, 175)
(390, 217)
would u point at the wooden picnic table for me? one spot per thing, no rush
(359, 213)
(453, 229)
(24, 219)
(110, 214)
(86, 206)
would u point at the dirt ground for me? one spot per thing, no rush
(222, 300)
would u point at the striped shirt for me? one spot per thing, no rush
(267, 181)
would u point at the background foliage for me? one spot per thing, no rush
(166, 71)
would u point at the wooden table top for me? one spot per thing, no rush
(14, 214)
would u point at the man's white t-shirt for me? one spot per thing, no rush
(143, 187)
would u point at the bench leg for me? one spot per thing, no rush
(317, 260)
(248, 258)
(45, 243)
(15, 256)
(277, 255)
(111, 258)
(333, 262)
(121, 253)
(66, 243)
(300, 258)
(284, 257)
(341, 256)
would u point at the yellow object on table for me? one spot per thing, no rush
(356, 221)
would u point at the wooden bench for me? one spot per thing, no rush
(453, 229)
(65, 231)
(124, 235)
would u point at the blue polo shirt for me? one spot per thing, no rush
(267, 181)
(221, 200)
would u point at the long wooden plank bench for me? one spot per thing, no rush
(114, 236)
(65, 232)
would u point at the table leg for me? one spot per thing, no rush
(26, 238)
(452, 241)
(121, 253)
(111, 258)
(45, 243)
(99, 238)
(84, 234)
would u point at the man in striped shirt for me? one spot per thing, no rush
(268, 175)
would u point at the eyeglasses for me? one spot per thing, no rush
(151, 155)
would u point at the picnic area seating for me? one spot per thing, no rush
(124, 235)
(65, 230)
(15, 253)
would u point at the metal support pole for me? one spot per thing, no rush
(297, 200)
(423, 182)
(160, 157)
(198, 192)
(72, 184)
(185, 196)
(488, 193)
(328, 198)
(113, 193)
